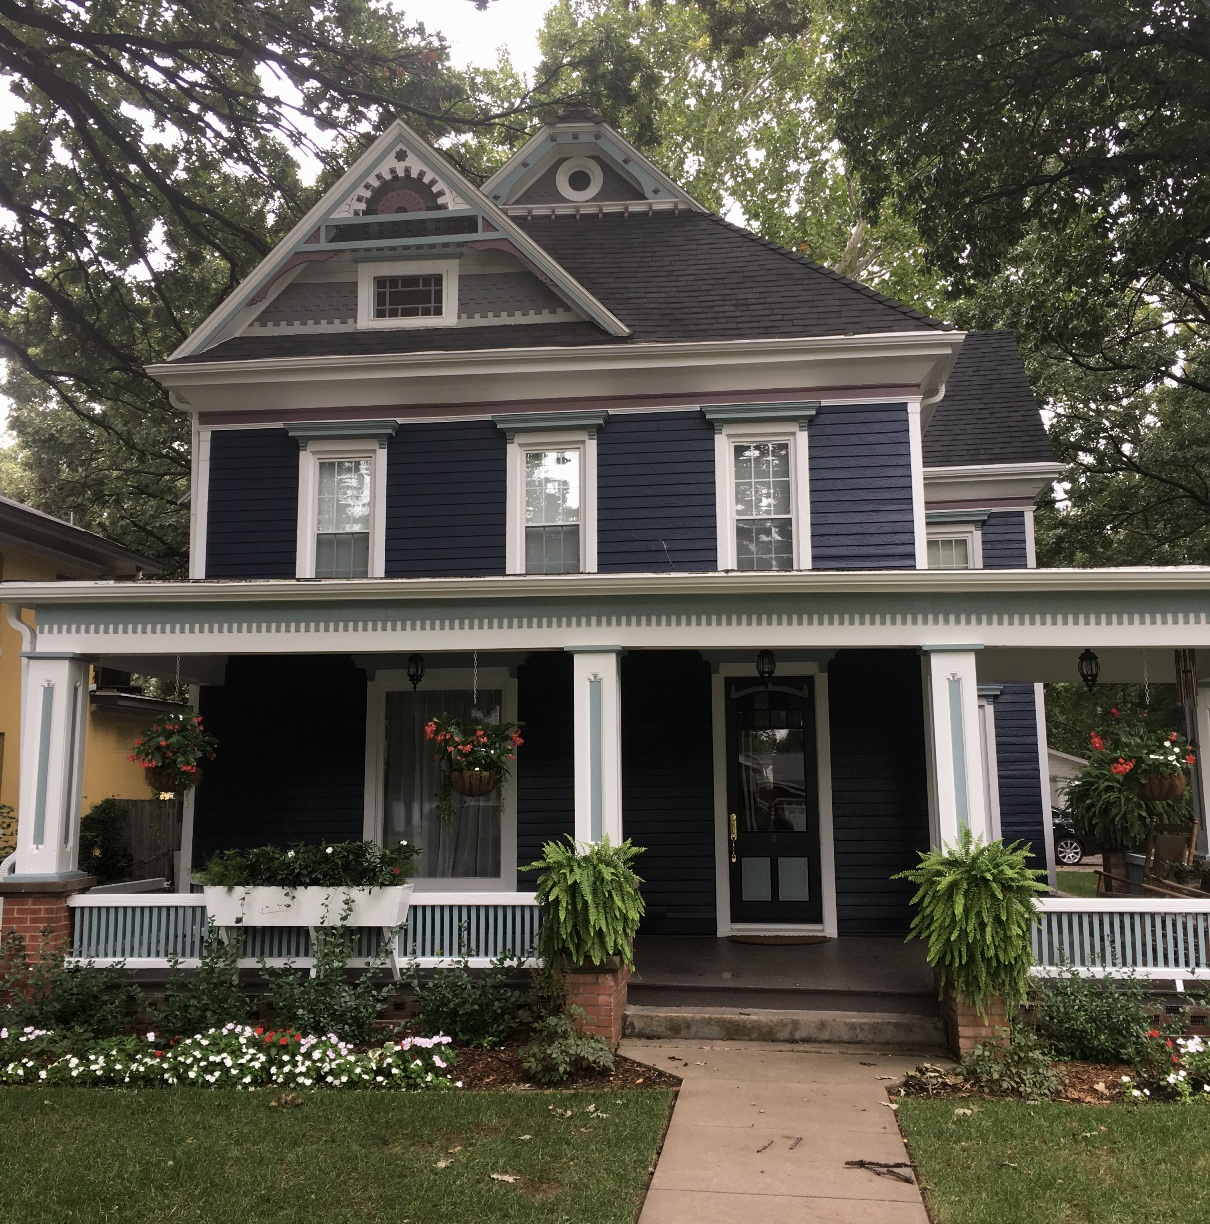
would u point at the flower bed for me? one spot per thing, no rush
(234, 1056)
(1172, 1068)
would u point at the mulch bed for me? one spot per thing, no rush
(1082, 1083)
(493, 1070)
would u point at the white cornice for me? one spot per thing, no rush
(988, 481)
(1189, 578)
(916, 358)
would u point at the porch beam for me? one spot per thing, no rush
(597, 711)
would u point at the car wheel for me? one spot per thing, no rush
(1068, 851)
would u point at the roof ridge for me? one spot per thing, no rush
(834, 275)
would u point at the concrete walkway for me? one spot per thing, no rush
(761, 1133)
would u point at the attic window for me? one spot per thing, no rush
(408, 297)
(407, 293)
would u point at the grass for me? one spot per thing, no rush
(1060, 1164)
(195, 1157)
(1078, 883)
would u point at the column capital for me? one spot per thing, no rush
(949, 647)
(58, 656)
(594, 649)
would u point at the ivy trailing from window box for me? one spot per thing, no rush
(975, 916)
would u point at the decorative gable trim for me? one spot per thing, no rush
(534, 422)
(726, 414)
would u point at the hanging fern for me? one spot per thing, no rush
(590, 901)
(975, 917)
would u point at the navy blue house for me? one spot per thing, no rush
(580, 451)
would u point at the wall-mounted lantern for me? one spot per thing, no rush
(766, 665)
(1090, 669)
(415, 670)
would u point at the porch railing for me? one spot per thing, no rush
(149, 930)
(1111, 936)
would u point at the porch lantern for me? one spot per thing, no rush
(415, 670)
(1090, 669)
(766, 665)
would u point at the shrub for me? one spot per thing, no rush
(1093, 1018)
(1022, 1068)
(475, 1010)
(975, 916)
(350, 864)
(327, 1000)
(1170, 1067)
(557, 1049)
(590, 902)
(104, 842)
(206, 997)
(8, 830)
(46, 994)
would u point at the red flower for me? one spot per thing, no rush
(259, 1031)
(1097, 742)
(1190, 759)
(163, 743)
(159, 1053)
(1153, 1032)
(1116, 712)
(394, 870)
(1172, 738)
(285, 1041)
(1121, 767)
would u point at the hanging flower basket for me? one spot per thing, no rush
(474, 783)
(1160, 787)
(169, 751)
(164, 778)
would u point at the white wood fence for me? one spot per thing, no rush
(149, 930)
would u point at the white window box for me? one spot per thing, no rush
(313, 906)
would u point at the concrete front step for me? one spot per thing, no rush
(917, 1032)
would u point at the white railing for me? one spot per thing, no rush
(150, 930)
(1149, 937)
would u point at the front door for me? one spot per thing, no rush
(773, 802)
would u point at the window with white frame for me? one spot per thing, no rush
(341, 509)
(954, 548)
(407, 293)
(762, 499)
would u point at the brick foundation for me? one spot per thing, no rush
(601, 992)
(37, 911)
(965, 1028)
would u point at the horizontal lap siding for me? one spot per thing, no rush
(1004, 541)
(668, 787)
(879, 788)
(1023, 811)
(861, 488)
(252, 505)
(290, 764)
(545, 765)
(655, 493)
(445, 500)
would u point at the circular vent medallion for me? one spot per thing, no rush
(579, 179)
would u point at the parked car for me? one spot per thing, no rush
(1070, 847)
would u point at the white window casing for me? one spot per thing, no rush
(310, 456)
(584, 444)
(370, 271)
(726, 438)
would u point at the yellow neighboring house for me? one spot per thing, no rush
(38, 547)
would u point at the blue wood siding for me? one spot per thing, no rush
(252, 511)
(1004, 543)
(301, 780)
(879, 788)
(1023, 807)
(655, 493)
(445, 500)
(668, 787)
(545, 762)
(861, 488)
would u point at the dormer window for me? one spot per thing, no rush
(407, 293)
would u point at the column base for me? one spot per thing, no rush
(601, 992)
(965, 1028)
(36, 909)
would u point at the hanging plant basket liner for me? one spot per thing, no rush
(1159, 787)
(163, 779)
(306, 907)
(474, 783)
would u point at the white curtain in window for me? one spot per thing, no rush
(471, 845)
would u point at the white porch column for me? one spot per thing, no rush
(597, 706)
(54, 710)
(952, 725)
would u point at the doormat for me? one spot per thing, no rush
(778, 940)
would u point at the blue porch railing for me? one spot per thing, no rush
(148, 930)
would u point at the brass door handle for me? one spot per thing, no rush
(734, 834)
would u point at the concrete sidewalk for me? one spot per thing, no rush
(761, 1133)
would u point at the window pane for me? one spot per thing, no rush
(764, 524)
(343, 554)
(949, 553)
(344, 495)
(552, 487)
(408, 297)
(552, 550)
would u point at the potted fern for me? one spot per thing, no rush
(975, 917)
(590, 907)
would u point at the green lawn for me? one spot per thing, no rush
(196, 1157)
(1061, 1164)
(1078, 883)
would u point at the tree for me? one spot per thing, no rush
(1052, 159)
(153, 161)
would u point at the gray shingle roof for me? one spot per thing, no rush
(989, 413)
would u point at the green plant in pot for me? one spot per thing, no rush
(975, 916)
(169, 752)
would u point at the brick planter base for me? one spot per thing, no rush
(965, 1028)
(37, 911)
(601, 992)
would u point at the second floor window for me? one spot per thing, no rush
(949, 553)
(342, 537)
(553, 511)
(764, 505)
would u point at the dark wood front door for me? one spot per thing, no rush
(773, 802)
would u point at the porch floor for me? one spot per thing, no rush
(858, 973)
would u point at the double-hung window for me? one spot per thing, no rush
(342, 529)
(553, 518)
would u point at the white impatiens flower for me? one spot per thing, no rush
(328, 850)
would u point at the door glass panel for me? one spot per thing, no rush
(793, 879)
(756, 880)
(471, 846)
(772, 772)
